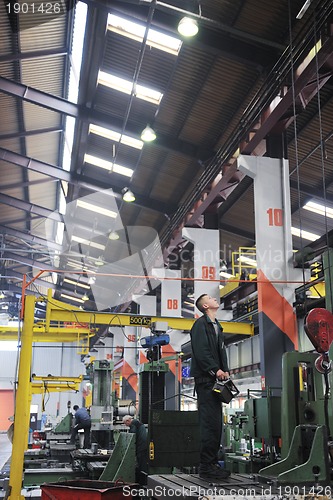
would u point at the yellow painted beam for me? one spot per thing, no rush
(40, 385)
(22, 403)
(54, 378)
(119, 319)
(54, 334)
(41, 388)
(59, 311)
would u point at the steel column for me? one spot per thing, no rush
(275, 271)
(22, 404)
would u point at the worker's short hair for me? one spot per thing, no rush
(75, 407)
(199, 302)
(127, 417)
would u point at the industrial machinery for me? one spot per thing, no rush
(152, 374)
(307, 418)
(253, 434)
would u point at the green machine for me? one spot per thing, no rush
(254, 433)
(101, 411)
(306, 408)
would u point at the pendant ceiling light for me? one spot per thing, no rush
(188, 27)
(128, 195)
(148, 134)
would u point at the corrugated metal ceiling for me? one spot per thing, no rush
(207, 90)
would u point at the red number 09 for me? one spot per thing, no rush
(208, 272)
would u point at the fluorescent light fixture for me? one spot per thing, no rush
(126, 86)
(85, 297)
(226, 275)
(115, 136)
(95, 208)
(306, 235)
(247, 260)
(76, 265)
(188, 27)
(189, 303)
(304, 9)
(136, 32)
(148, 134)
(76, 299)
(76, 283)
(90, 243)
(108, 165)
(318, 208)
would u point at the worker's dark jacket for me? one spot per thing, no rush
(82, 418)
(208, 349)
(139, 429)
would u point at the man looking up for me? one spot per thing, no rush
(208, 363)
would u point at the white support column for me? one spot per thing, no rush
(275, 272)
(171, 294)
(206, 260)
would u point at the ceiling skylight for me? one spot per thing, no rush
(96, 208)
(90, 243)
(224, 274)
(318, 208)
(136, 31)
(126, 86)
(76, 299)
(115, 136)
(306, 235)
(247, 260)
(76, 283)
(108, 165)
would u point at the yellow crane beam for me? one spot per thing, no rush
(41, 385)
(59, 333)
(61, 312)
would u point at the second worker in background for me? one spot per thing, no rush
(208, 363)
(82, 421)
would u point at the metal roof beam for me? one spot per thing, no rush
(35, 96)
(37, 281)
(17, 185)
(238, 232)
(310, 192)
(31, 208)
(30, 238)
(232, 43)
(27, 262)
(80, 180)
(20, 56)
(29, 133)
(88, 115)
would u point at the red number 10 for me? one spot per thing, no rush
(275, 216)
